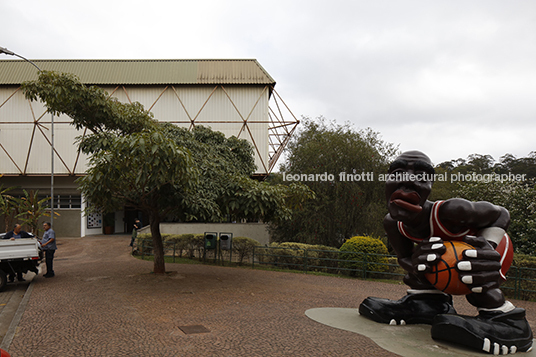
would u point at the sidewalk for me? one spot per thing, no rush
(12, 304)
(103, 302)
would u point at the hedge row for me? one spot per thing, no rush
(191, 245)
(348, 259)
(290, 255)
(521, 283)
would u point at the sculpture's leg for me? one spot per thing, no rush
(417, 307)
(498, 331)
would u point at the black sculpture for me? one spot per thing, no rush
(416, 229)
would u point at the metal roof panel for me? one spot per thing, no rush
(142, 72)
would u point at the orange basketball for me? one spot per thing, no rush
(444, 275)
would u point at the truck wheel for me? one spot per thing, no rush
(3, 280)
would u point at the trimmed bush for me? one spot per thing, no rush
(181, 243)
(286, 255)
(396, 272)
(358, 250)
(188, 243)
(144, 243)
(291, 255)
(196, 244)
(524, 270)
(177, 243)
(243, 247)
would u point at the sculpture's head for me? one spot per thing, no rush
(409, 185)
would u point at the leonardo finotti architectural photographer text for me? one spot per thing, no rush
(403, 176)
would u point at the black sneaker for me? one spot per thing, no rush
(411, 309)
(491, 332)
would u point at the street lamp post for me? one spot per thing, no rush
(11, 53)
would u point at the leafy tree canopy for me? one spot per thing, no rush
(518, 197)
(351, 202)
(165, 171)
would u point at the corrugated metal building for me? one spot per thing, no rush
(235, 97)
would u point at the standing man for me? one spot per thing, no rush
(137, 226)
(48, 244)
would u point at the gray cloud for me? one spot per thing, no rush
(451, 78)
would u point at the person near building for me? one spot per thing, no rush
(48, 244)
(137, 226)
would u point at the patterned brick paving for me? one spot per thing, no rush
(103, 302)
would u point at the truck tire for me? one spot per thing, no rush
(3, 280)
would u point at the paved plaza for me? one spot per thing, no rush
(103, 302)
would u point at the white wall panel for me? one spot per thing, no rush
(17, 108)
(221, 110)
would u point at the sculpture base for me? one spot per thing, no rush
(408, 340)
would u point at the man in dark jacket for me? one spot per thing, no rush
(17, 232)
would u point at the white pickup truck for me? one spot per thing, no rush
(22, 254)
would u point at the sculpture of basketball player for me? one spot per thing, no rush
(416, 229)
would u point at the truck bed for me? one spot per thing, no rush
(24, 248)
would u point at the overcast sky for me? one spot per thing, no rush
(450, 78)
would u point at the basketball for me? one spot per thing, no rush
(444, 275)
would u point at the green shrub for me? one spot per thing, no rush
(291, 255)
(357, 250)
(189, 243)
(524, 271)
(396, 272)
(243, 247)
(178, 243)
(144, 243)
(287, 255)
(196, 243)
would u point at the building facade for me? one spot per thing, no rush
(236, 97)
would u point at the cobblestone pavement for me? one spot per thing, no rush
(103, 302)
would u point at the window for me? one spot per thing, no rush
(65, 201)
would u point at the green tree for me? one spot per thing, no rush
(143, 170)
(8, 207)
(352, 200)
(485, 164)
(508, 163)
(519, 198)
(166, 172)
(32, 208)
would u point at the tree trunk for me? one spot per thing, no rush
(158, 246)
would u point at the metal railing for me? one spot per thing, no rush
(174, 250)
(520, 284)
(364, 265)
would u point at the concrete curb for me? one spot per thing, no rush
(10, 334)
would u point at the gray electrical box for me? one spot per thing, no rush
(226, 241)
